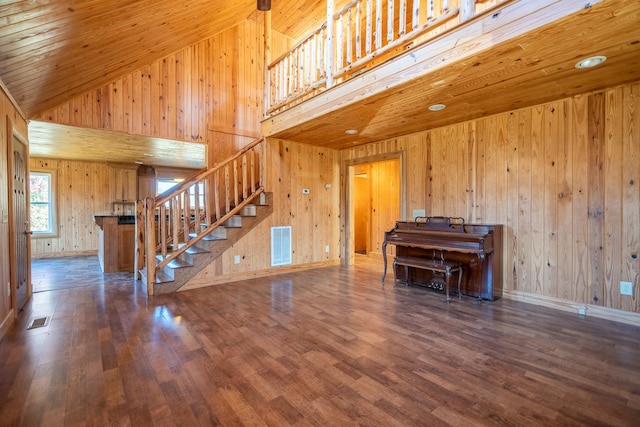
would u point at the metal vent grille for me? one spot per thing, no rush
(38, 322)
(280, 245)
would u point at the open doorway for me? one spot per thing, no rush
(374, 201)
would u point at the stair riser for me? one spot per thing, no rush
(215, 248)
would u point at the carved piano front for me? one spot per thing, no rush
(477, 247)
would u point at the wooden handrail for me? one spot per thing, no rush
(169, 224)
(357, 41)
(204, 174)
(297, 45)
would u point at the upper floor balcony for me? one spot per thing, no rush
(376, 66)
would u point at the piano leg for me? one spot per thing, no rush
(384, 257)
(446, 283)
(479, 276)
(459, 281)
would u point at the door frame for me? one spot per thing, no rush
(347, 202)
(14, 134)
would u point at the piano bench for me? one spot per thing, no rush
(435, 265)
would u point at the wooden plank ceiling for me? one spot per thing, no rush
(52, 51)
(117, 147)
(526, 70)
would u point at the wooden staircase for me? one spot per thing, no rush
(184, 230)
(180, 270)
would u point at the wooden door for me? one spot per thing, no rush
(21, 229)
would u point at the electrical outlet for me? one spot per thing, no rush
(418, 212)
(626, 288)
(236, 259)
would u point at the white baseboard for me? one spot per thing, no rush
(621, 316)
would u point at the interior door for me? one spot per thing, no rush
(21, 230)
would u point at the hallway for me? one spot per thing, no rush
(318, 347)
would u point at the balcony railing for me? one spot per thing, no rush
(361, 35)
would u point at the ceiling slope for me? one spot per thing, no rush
(53, 51)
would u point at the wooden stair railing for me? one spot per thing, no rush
(169, 224)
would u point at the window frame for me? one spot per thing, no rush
(53, 211)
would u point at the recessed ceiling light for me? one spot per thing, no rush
(351, 131)
(437, 107)
(591, 61)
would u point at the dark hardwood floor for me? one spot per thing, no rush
(314, 348)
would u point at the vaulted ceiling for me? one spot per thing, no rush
(51, 52)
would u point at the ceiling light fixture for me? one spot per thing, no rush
(351, 131)
(437, 107)
(138, 162)
(591, 61)
(148, 155)
(264, 5)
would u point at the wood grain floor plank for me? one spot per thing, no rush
(314, 348)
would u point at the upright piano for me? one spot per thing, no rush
(477, 247)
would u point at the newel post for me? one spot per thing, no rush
(329, 47)
(467, 10)
(267, 60)
(150, 242)
(139, 230)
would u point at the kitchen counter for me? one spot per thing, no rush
(116, 242)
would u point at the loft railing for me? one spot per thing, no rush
(362, 34)
(168, 225)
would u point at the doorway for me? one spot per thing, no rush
(375, 202)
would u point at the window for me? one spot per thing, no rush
(42, 207)
(163, 185)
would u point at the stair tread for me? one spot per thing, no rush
(197, 250)
(179, 263)
(161, 276)
(177, 272)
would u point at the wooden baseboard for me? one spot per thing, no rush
(621, 316)
(236, 277)
(6, 323)
(63, 254)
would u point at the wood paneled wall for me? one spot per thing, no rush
(82, 190)
(314, 217)
(210, 92)
(10, 118)
(564, 179)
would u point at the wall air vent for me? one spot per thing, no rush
(280, 245)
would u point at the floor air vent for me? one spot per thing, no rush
(38, 323)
